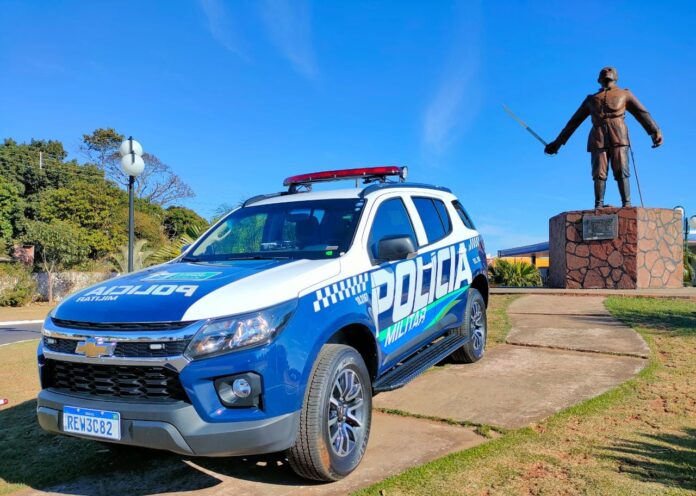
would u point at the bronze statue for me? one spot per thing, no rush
(608, 141)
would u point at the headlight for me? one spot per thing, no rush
(240, 331)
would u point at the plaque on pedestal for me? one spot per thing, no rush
(623, 248)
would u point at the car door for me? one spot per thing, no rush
(392, 218)
(451, 272)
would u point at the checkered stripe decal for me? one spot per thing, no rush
(340, 291)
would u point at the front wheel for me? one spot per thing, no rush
(336, 416)
(476, 327)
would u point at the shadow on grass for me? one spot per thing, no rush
(32, 457)
(666, 459)
(675, 316)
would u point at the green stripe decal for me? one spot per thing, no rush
(453, 300)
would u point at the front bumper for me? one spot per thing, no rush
(176, 427)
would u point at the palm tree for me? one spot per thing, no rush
(173, 250)
(140, 256)
(689, 266)
(516, 274)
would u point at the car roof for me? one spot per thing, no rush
(332, 194)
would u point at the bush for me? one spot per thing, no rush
(689, 267)
(23, 291)
(515, 274)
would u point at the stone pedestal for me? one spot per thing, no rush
(646, 252)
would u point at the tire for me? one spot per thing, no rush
(332, 411)
(476, 327)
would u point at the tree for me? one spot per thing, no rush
(178, 219)
(40, 165)
(102, 145)
(157, 184)
(10, 209)
(92, 206)
(60, 245)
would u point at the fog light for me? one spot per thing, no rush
(241, 390)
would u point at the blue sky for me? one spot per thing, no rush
(237, 95)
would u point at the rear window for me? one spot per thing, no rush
(462, 214)
(434, 216)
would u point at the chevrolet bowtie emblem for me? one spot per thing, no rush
(95, 347)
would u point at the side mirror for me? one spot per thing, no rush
(392, 248)
(184, 248)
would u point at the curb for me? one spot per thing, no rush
(20, 322)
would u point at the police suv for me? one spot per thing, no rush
(273, 331)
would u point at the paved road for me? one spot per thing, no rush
(14, 333)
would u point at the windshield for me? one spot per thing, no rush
(303, 229)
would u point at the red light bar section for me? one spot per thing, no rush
(333, 175)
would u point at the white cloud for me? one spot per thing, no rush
(222, 26)
(289, 27)
(456, 101)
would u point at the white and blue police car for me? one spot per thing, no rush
(273, 331)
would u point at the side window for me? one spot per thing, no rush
(444, 216)
(436, 227)
(462, 214)
(391, 220)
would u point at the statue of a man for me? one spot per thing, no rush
(608, 141)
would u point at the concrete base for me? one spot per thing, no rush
(647, 252)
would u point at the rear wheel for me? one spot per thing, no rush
(476, 327)
(336, 416)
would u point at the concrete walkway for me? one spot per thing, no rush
(561, 351)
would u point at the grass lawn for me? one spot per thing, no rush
(639, 438)
(498, 319)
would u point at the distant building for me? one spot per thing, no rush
(537, 254)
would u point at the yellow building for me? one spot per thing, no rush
(537, 254)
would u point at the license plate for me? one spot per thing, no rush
(97, 423)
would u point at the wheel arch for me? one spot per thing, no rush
(480, 283)
(362, 339)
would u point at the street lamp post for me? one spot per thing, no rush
(132, 165)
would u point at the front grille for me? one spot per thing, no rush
(126, 349)
(121, 326)
(114, 381)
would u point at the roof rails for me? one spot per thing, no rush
(258, 198)
(376, 187)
